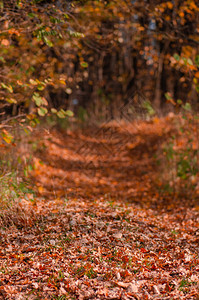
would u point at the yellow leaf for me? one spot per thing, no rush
(7, 137)
(11, 100)
(40, 189)
(33, 82)
(62, 82)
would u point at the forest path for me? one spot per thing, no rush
(99, 229)
(116, 160)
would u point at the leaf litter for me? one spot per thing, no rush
(100, 229)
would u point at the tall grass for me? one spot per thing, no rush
(16, 194)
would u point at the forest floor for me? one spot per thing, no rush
(100, 227)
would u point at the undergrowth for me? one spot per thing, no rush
(180, 160)
(16, 193)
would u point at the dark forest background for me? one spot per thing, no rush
(98, 59)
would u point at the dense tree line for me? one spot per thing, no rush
(97, 55)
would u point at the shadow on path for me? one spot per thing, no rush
(117, 161)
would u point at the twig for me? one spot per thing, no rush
(13, 118)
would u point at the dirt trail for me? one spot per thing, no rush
(100, 230)
(116, 160)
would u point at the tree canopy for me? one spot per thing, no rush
(96, 55)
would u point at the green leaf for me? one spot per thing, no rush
(189, 61)
(176, 56)
(179, 101)
(19, 4)
(69, 113)
(197, 60)
(185, 60)
(76, 34)
(168, 96)
(47, 41)
(66, 16)
(40, 87)
(84, 64)
(32, 15)
(42, 111)
(55, 20)
(53, 110)
(7, 87)
(1, 5)
(33, 82)
(37, 99)
(147, 105)
(11, 100)
(61, 114)
(187, 107)
(2, 59)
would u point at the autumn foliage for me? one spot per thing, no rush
(97, 55)
(99, 149)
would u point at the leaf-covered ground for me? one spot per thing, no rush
(99, 228)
